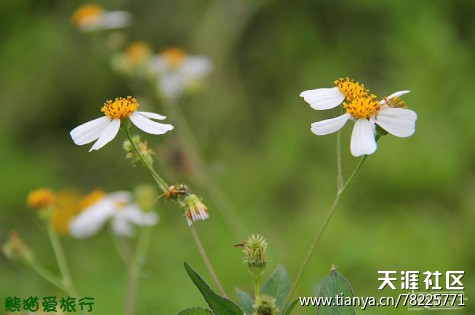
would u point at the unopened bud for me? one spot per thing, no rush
(16, 250)
(142, 148)
(255, 254)
(145, 195)
(265, 305)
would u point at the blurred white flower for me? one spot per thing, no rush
(134, 61)
(114, 207)
(365, 110)
(178, 71)
(104, 129)
(91, 17)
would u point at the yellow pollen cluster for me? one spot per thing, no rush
(138, 51)
(41, 198)
(86, 14)
(91, 198)
(351, 89)
(396, 102)
(120, 107)
(174, 56)
(362, 107)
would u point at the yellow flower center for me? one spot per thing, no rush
(120, 107)
(138, 51)
(67, 208)
(351, 89)
(174, 56)
(41, 198)
(362, 107)
(91, 198)
(86, 14)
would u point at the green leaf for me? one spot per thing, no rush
(277, 286)
(335, 285)
(245, 301)
(219, 305)
(289, 308)
(195, 311)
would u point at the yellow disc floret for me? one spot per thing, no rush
(138, 52)
(120, 107)
(86, 14)
(41, 198)
(91, 198)
(352, 90)
(363, 107)
(174, 56)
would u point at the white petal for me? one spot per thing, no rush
(397, 121)
(362, 138)
(395, 94)
(325, 127)
(89, 131)
(171, 85)
(133, 214)
(115, 19)
(121, 226)
(119, 197)
(149, 126)
(108, 133)
(196, 66)
(91, 220)
(152, 115)
(325, 98)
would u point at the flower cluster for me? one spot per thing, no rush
(361, 106)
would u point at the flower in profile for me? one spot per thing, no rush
(178, 71)
(41, 198)
(104, 129)
(135, 60)
(390, 114)
(91, 17)
(117, 208)
(194, 209)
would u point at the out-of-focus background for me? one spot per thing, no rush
(412, 207)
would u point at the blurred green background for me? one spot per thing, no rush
(410, 208)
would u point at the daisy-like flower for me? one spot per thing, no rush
(178, 71)
(91, 17)
(104, 129)
(194, 209)
(115, 207)
(390, 114)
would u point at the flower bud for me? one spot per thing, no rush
(41, 199)
(16, 250)
(265, 305)
(145, 196)
(255, 254)
(142, 148)
(194, 209)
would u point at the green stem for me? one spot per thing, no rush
(159, 181)
(257, 282)
(61, 260)
(48, 276)
(135, 268)
(207, 261)
(318, 236)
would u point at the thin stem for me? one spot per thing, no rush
(48, 276)
(318, 236)
(160, 182)
(207, 262)
(257, 282)
(135, 267)
(339, 177)
(61, 260)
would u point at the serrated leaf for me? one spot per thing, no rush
(289, 308)
(195, 311)
(277, 286)
(218, 304)
(245, 301)
(335, 285)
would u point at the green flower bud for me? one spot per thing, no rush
(255, 254)
(145, 195)
(265, 305)
(142, 148)
(16, 250)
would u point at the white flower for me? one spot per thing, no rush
(91, 17)
(365, 110)
(115, 207)
(178, 71)
(104, 129)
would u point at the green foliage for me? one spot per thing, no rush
(195, 311)
(245, 301)
(332, 285)
(278, 286)
(218, 304)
